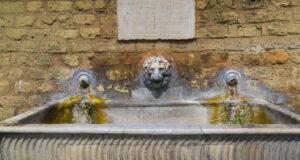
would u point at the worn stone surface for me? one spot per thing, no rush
(11, 7)
(6, 20)
(34, 6)
(84, 19)
(62, 73)
(16, 34)
(60, 6)
(8, 46)
(5, 60)
(68, 34)
(71, 60)
(25, 21)
(44, 60)
(295, 57)
(49, 20)
(15, 74)
(99, 5)
(118, 74)
(90, 33)
(84, 5)
(228, 17)
(249, 31)
(36, 74)
(45, 87)
(4, 87)
(82, 46)
(156, 19)
(54, 47)
(276, 57)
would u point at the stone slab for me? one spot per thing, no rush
(156, 19)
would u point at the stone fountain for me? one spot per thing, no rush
(230, 121)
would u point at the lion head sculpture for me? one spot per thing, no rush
(156, 72)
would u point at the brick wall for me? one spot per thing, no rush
(45, 41)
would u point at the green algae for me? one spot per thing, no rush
(240, 113)
(62, 113)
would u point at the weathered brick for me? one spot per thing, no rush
(293, 28)
(114, 46)
(1, 35)
(201, 4)
(259, 72)
(283, 3)
(39, 33)
(295, 57)
(82, 46)
(280, 30)
(99, 5)
(221, 4)
(36, 74)
(218, 31)
(71, 60)
(84, 19)
(108, 25)
(4, 86)
(227, 17)
(257, 17)
(4, 60)
(46, 87)
(118, 74)
(60, 6)
(24, 21)
(49, 19)
(68, 34)
(248, 31)
(277, 30)
(20, 59)
(84, 5)
(62, 73)
(30, 46)
(8, 46)
(11, 7)
(6, 20)
(44, 60)
(34, 6)
(296, 14)
(15, 74)
(63, 18)
(90, 33)
(54, 47)
(247, 4)
(276, 57)
(15, 34)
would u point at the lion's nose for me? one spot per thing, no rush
(156, 76)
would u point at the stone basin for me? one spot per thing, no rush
(152, 130)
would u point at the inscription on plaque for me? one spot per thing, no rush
(156, 19)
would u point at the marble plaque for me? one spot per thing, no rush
(156, 19)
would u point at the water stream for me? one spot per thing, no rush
(83, 109)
